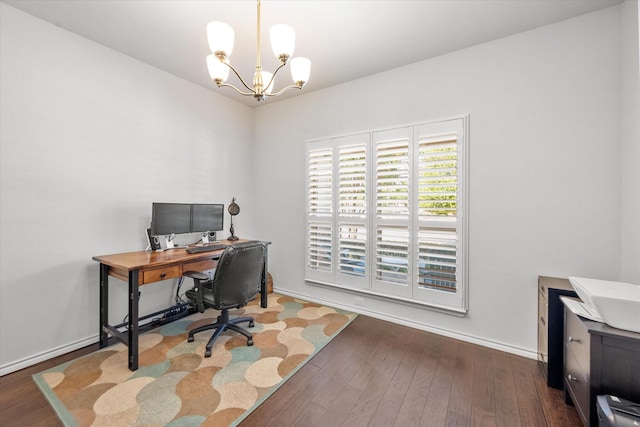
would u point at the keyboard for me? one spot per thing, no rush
(205, 248)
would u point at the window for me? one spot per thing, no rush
(385, 213)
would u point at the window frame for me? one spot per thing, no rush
(440, 249)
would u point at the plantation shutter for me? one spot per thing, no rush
(352, 205)
(392, 178)
(319, 213)
(392, 254)
(319, 248)
(321, 182)
(437, 176)
(437, 259)
(353, 248)
(439, 268)
(352, 176)
(352, 210)
(392, 206)
(386, 213)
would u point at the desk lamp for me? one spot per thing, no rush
(234, 210)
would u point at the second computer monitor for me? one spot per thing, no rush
(207, 217)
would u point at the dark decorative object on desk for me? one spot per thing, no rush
(234, 210)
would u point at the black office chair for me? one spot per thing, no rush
(235, 282)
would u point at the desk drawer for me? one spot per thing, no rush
(164, 273)
(204, 265)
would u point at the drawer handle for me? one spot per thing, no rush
(542, 321)
(163, 275)
(572, 339)
(572, 378)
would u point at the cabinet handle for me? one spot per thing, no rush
(572, 339)
(572, 378)
(542, 321)
(163, 275)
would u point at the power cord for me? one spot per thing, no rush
(179, 285)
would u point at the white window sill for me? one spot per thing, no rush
(390, 298)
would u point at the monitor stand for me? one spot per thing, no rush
(169, 241)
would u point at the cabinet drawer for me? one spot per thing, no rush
(204, 265)
(576, 381)
(543, 313)
(157, 274)
(543, 344)
(577, 340)
(543, 355)
(542, 288)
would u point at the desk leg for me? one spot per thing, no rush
(132, 322)
(104, 305)
(263, 285)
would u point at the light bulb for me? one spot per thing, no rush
(300, 70)
(220, 37)
(266, 78)
(217, 69)
(283, 41)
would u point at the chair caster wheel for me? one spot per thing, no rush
(250, 342)
(190, 339)
(251, 324)
(207, 353)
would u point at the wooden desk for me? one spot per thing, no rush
(141, 268)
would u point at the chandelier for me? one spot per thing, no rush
(220, 36)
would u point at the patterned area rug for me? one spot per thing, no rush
(176, 385)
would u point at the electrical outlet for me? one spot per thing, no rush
(359, 300)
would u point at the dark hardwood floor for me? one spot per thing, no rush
(374, 373)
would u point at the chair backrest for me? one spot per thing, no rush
(237, 277)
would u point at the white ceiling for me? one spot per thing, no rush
(344, 40)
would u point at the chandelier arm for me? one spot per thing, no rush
(240, 78)
(236, 89)
(274, 74)
(284, 89)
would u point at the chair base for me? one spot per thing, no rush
(222, 324)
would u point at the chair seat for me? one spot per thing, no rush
(196, 275)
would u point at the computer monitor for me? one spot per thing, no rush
(170, 218)
(207, 217)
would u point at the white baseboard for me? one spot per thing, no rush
(444, 332)
(46, 355)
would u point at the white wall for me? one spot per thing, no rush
(544, 167)
(80, 126)
(630, 137)
(89, 139)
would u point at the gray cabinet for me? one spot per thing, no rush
(598, 359)
(551, 327)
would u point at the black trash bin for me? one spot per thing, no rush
(616, 412)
